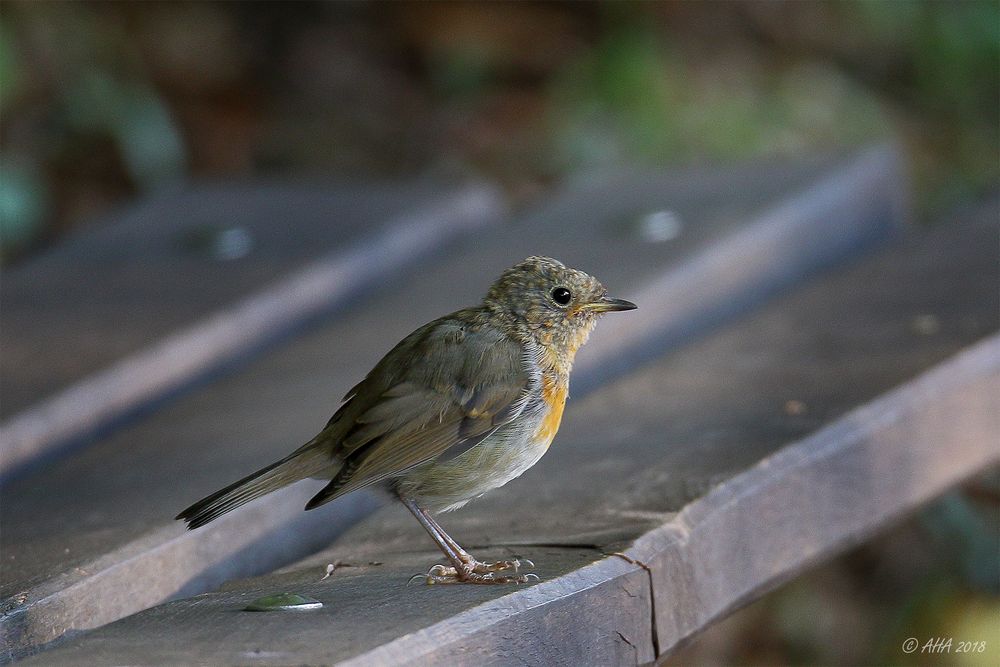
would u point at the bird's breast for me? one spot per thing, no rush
(504, 455)
(554, 392)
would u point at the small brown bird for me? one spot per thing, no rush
(461, 406)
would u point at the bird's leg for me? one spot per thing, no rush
(480, 567)
(464, 567)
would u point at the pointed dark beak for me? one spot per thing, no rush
(608, 305)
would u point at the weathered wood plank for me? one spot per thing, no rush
(102, 347)
(123, 506)
(824, 494)
(111, 290)
(707, 431)
(590, 635)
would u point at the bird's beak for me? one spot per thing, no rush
(607, 305)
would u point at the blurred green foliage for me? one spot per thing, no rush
(634, 97)
(79, 88)
(134, 117)
(944, 79)
(99, 101)
(952, 49)
(22, 203)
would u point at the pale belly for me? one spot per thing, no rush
(443, 486)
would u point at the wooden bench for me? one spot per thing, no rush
(669, 459)
(176, 287)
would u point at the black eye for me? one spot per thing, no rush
(561, 295)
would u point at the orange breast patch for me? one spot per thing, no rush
(554, 394)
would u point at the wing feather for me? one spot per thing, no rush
(446, 387)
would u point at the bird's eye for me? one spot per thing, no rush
(561, 295)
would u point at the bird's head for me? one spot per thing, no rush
(556, 304)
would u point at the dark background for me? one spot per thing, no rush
(104, 102)
(101, 102)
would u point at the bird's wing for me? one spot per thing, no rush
(446, 387)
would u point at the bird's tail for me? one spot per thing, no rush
(304, 462)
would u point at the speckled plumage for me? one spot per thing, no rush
(461, 406)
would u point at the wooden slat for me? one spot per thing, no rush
(122, 534)
(101, 343)
(765, 489)
(116, 287)
(824, 494)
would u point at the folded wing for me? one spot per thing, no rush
(443, 390)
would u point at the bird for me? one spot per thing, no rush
(461, 406)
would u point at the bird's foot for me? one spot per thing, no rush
(476, 572)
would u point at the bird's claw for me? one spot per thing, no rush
(476, 572)
(438, 574)
(442, 571)
(430, 579)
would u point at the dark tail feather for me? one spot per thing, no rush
(300, 464)
(337, 485)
